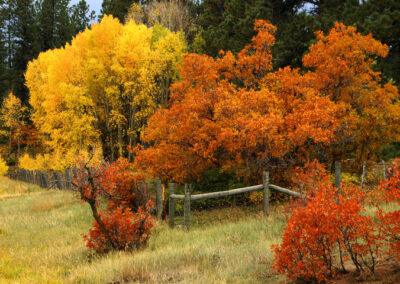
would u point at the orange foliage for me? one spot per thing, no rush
(342, 69)
(307, 178)
(391, 220)
(322, 225)
(124, 224)
(235, 113)
(125, 230)
(230, 113)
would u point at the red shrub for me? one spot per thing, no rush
(323, 224)
(391, 220)
(124, 230)
(124, 224)
(306, 178)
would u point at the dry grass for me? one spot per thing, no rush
(41, 242)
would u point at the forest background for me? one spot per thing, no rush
(31, 27)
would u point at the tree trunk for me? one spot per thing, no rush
(9, 143)
(120, 143)
(110, 138)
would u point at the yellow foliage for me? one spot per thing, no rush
(105, 84)
(3, 167)
(57, 161)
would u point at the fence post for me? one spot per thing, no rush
(266, 193)
(60, 180)
(186, 212)
(338, 176)
(384, 170)
(363, 176)
(68, 179)
(159, 200)
(171, 212)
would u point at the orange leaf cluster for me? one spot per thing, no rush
(124, 224)
(322, 225)
(342, 69)
(391, 220)
(236, 114)
(125, 230)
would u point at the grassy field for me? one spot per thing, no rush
(41, 242)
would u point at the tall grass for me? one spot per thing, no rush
(41, 242)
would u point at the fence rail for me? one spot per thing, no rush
(187, 197)
(62, 180)
(56, 180)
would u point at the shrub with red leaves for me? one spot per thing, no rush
(320, 226)
(124, 224)
(124, 230)
(391, 220)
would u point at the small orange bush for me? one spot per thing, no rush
(123, 224)
(125, 230)
(321, 225)
(391, 220)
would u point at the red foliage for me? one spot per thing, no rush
(327, 222)
(307, 177)
(124, 224)
(391, 220)
(125, 230)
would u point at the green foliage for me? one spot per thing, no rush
(116, 8)
(81, 16)
(390, 152)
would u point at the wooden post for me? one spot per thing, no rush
(68, 179)
(46, 180)
(384, 170)
(171, 212)
(60, 180)
(266, 193)
(54, 181)
(338, 176)
(186, 211)
(363, 176)
(159, 200)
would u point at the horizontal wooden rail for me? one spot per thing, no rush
(237, 191)
(286, 191)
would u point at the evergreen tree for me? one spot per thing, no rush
(7, 10)
(81, 16)
(228, 24)
(26, 44)
(56, 27)
(382, 19)
(3, 52)
(117, 8)
(47, 23)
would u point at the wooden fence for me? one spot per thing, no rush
(187, 197)
(62, 180)
(56, 180)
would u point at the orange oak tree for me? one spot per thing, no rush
(233, 112)
(341, 64)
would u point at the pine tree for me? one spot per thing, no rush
(82, 16)
(7, 9)
(26, 44)
(117, 8)
(3, 53)
(55, 24)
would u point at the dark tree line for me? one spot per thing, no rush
(227, 25)
(29, 27)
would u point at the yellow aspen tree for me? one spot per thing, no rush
(12, 117)
(102, 88)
